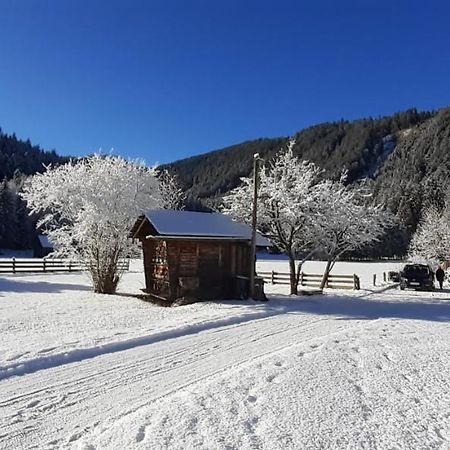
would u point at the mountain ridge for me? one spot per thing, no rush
(405, 156)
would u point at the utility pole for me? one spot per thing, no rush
(256, 158)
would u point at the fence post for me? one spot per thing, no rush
(356, 282)
(14, 265)
(384, 277)
(301, 278)
(43, 261)
(374, 279)
(70, 265)
(272, 277)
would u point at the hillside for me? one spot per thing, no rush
(416, 174)
(19, 159)
(406, 157)
(359, 146)
(24, 157)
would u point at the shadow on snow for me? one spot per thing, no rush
(17, 285)
(367, 306)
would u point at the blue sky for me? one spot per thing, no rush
(162, 80)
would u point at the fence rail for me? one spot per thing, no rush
(312, 279)
(24, 265)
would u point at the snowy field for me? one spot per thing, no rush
(368, 369)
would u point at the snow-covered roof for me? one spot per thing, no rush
(45, 243)
(200, 224)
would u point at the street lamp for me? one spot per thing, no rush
(256, 159)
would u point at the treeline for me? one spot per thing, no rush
(405, 156)
(19, 159)
(415, 177)
(358, 146)
(393, 152)
(205, 177)
(17, 228)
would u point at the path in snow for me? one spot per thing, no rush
(382, 385)
(56, 406)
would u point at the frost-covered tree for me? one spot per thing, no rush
(431, 241)
(171, 194)
(346, 222)
(286, 200)
(89, 207)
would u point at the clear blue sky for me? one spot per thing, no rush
(162, 80)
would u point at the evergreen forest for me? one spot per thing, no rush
(19, 159)
(404, 158)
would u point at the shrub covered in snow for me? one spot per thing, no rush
(88, 209)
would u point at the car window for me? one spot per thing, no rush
(416, 270)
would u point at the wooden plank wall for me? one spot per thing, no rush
(156, 267)
(205, 269)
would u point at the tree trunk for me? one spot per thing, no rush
(293, 275)
(105, 277)
(298, 274)
(107, 284)
(326, 273)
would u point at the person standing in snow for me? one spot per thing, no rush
(440, 275)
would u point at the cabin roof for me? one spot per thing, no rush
(172, 224)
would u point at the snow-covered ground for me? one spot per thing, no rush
(364, 369)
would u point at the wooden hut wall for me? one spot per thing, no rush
(241, 255)
(156, 267)
(214, 269)
(182, 261)
(199, 268)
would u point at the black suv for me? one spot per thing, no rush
(416, 276)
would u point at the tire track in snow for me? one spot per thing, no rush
(128, 380)
(125, 365)
(78, 355)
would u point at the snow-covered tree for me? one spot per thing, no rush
(89, 207)
(431, 241)
(171, 194)
(286, 198)
(346, 222)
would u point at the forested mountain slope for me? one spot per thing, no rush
(21, 156)
(360, 146)
(406, 156)
(417, 173)
(17, 160)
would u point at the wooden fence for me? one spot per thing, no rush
(313, 280)
(23, 265)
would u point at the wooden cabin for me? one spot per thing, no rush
(194, 254)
